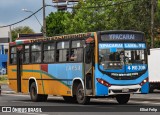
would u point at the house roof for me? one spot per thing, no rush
(29, 36)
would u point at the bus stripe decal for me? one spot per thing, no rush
(43, 72)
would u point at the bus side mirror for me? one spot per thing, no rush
(88, 53)
(148, 51)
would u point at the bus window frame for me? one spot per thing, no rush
(34, 52)
(27, 52)
(61, 49)
(81, 47)
(43, 50)
(10, 48)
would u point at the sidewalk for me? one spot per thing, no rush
(5, 89)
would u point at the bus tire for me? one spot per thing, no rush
(70, 99)
(33, 93)
(81, 98)
(122, 98)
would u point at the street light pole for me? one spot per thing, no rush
(34, 15)
(10, 34)
(44, 19)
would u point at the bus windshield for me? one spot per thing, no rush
(117, 55)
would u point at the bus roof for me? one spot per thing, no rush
(121, 31)
(69, 36)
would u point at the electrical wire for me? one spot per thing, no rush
(67, 7)
(22, 19)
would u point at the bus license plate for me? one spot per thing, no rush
(124, 90)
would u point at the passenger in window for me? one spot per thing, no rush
(73, 56)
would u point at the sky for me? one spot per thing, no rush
(11, 12)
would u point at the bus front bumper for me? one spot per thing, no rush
(113, 90)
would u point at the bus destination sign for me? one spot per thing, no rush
(121, 37)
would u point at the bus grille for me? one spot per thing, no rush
(120, 91)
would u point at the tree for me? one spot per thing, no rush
(55, 23)
(93, 15)
(99, 15)
(21, 30)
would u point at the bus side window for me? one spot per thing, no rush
(36, 53)
(13, 55)
(26, 54)
(48, 52)
(76, 53)
(62, 52)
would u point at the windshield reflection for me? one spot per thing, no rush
(115, 59)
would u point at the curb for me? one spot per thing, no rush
(8, 92)
(143, 99)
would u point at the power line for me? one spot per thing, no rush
(114, 4)
(22, 19)
(68, 7)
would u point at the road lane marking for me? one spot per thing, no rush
(35, 114)
(16, 95)
(28, 102)
(16, 101)
(32, 113)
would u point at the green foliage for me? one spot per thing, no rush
(99, 15)
(21, 30)
(157, 44)
(56, 23)
(3, 77)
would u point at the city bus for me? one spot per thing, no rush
(80, 66)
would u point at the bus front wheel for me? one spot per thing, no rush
(81, 98)
(122, 98)
(34, 96)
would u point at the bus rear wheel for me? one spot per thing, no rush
(81, 98)
(34, 96)
(123, 98)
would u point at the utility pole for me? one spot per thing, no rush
(152, 22)
(10, 34)
(44, 19)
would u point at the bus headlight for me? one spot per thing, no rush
(103, 82)
(144, 81)
(111, 64)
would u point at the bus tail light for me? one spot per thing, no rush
(144, 81)
(103, 82)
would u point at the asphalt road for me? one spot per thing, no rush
(142, 104)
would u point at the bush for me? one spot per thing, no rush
(3, 77)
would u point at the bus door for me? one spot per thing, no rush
(88, 65)
(19, 66)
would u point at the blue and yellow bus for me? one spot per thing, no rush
(80, 66)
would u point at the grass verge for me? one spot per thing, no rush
(3, 79)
